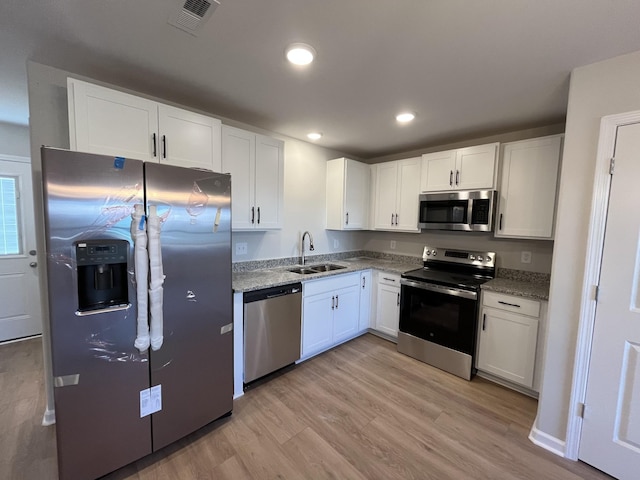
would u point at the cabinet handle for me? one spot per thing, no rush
(398, 299)
(451, 178)
(397, 218)
(509, 304)
(164, 146)
(500, 226)
(389, 279)
(484, 321)
(333, 303)
(155, 148)
(258, 215)
(364, 279)
(392, 219)
(253, 215)
(336, 302)
(347, 218)
(457, 176)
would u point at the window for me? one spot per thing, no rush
(9, 236)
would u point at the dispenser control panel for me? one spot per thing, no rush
(101, 252)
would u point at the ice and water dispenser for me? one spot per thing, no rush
(102, 275)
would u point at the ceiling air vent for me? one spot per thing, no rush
(193, 15)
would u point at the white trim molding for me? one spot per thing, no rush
(546, 441)
(14, 158)
(597, 223)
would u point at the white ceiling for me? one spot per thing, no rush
(469, 68)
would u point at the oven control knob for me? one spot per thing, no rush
(434, 253)
(428, 252)
(488, 258)
(480, 258)
(472, 257)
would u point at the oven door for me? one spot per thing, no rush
(441, 315)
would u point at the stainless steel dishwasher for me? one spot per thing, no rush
(272, 327)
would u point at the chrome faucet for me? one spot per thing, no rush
(310, 243)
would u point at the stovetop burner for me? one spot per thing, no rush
(456, 268)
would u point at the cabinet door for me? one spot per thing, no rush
(408, 191)
(345, 315)
(356, 195)
(528, 188)
(188, 139)
(109, 122)
(476, 167)
(335, 191)
(388, 315)
(238, 156)
(269, 183)
(317, 323)
(438, 171)
(385, 200)
(365, 300)
(508, 345)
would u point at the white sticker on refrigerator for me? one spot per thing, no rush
(145, 402)
(156, 398)
(150, 400)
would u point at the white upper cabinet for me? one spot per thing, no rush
(110, 122)
(256, 165)
(396, 191)
(528, 188)
(470, 168)
(347, 194)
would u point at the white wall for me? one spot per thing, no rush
(508, 252)
(597, 90)
(14, 139)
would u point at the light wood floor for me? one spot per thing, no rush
(360, 411)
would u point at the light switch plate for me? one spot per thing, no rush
(336, 243)
(393, 244)
(525, 257)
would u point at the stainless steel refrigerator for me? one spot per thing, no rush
(128, 380)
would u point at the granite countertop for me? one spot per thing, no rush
(520, 283)
(272, 277)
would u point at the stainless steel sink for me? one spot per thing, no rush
(327, 267)
(303, 270)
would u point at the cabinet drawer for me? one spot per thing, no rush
(389, 279)
(511, 303)
(329, 284)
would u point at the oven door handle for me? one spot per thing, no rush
(439, 289)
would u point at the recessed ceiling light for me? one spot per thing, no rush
(405, 117)
(314, 136)
(300, 53)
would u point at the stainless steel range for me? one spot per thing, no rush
(439, 308)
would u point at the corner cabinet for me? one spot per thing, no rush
(470, 168)
(528, 185)
(110, 122)
(508, 338)
(395, 195)
(330, 312)
(347, 194)
(388, 304)
(256, 165)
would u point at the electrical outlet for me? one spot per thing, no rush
(241, 248)
(393, 244)
(336, 243)
(525, 257)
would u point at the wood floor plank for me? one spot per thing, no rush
(361, 410)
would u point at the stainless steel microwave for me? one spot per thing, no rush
(470, 211)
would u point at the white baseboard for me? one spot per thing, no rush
(49, 418)
(238, 395)
(546, 441)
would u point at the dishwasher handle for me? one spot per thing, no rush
(273, 292)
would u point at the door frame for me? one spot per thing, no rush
(595, 245)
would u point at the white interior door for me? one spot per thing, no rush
(19, 290)
(610, 437)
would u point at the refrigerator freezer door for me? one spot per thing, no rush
(98, 372)
(194, 366)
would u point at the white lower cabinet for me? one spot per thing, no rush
(388, 304)
(330, 312)
(365, 301)
(508, 338)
